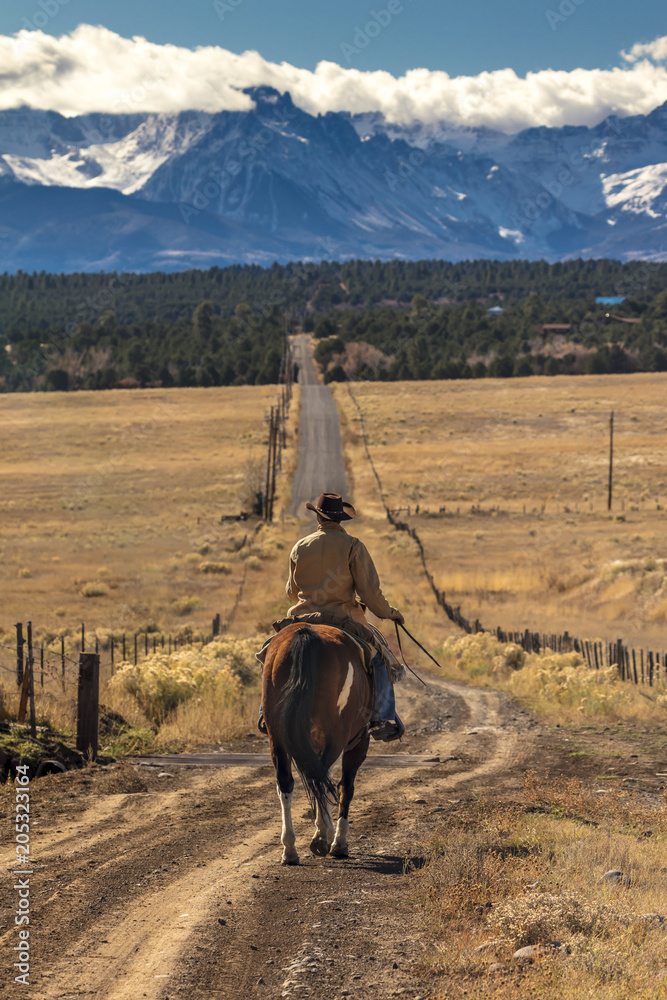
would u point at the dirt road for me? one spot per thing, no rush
(320, 467)
(171, 887)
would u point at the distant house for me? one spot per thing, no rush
(610, 300)
(495, 311)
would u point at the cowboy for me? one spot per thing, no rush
(332, 573)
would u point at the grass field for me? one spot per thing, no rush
(532, 864)
(112, 502)
(111, 505)
(511, 481)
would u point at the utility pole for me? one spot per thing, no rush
(267, 477)
(272, 488)
(611, 457)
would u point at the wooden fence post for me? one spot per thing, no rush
(23, 700)
(31, 684)
(88, 704)
(19, 653)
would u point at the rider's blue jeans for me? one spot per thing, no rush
(384, 706)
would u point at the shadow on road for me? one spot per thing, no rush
(385, 864)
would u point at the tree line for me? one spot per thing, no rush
(424, 319)
(429, 341)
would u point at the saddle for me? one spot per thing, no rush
(369, 639)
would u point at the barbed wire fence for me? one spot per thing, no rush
(61, 674)
(277, 421)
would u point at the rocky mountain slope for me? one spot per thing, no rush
(158, 191)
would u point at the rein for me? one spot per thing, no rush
(400, 649)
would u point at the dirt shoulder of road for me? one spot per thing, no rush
(167, 883)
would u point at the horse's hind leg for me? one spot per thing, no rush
(285, 787)
(352, 761)
(324, 830)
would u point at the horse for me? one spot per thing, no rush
(317, 700)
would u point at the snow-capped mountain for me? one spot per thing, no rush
(146, 191)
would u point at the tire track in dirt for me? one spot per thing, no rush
(183, 897)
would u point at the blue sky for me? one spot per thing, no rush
(502, 64)
(464, 37)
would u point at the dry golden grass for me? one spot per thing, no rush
(111, 508)
(212, 696)
(558, 687)
(520, 468)
(111, 516)
(112, 504)
(540, 867)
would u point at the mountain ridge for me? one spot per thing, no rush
(163, 191)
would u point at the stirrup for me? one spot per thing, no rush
(386, 731)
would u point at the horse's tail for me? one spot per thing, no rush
(296, 709)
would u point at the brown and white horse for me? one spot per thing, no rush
(317, 702)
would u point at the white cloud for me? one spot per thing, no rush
(656, 50)
(95, 70)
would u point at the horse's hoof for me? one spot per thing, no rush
(319, 847)
(289, 860)
(339, 852)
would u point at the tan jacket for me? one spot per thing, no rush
(327, 568)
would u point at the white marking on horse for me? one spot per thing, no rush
(339, 847)
(288, 840)
(347, 687)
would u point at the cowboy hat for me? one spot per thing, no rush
(332, 507)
